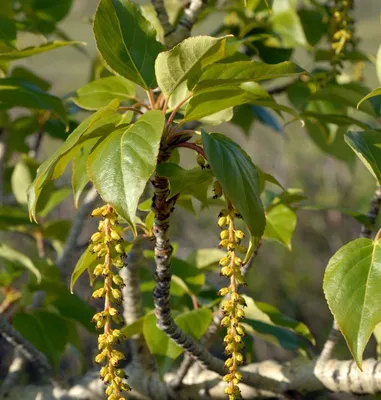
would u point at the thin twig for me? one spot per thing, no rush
(14, 373)
(192, 146)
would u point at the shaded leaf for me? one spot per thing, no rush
(126, 41)
(87, 261)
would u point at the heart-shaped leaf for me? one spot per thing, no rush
(126, 41)
(122, 164)
(352, 287)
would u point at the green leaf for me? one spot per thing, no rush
(373, 93)
(165, 351)
(52, 199)
(213, 100)
(244, 71)
(87, 261)
(280, 225)
(126, 41)
(17, 92)
(178, 64)
(99, 93)
(32, 51)
(367, 146)
(8, 34)
(13, 256)
(48, 332)
(342, 120)
(268, 323)
(56, 229)
(122, 164)
(28, 75)
(11, 217)
(100, 123)
(184, 181)
(352, 287)
(79, 176)
(206, 258)
(238, 177)
(191, 275)
(22, 177)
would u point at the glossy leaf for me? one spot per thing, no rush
(17, 92)
(87, 261)
(165, 351)
(32, 51)
(122, 164)
(126, 41)
(101, 92)
(238, 177)
(100, 123)
(244, 71)
(367, 146)
(352, 287)
(280, 225)
(178, 64)
(13, 256)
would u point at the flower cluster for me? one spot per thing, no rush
(233, 306)
(342, 31)
(107, 245)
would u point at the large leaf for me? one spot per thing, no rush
(32, 51)
(238, 177)
(367, 146)
(126, 41)
(100, 123)
(244, 71)
(101, 92)
(176, 65)
(17, 92)
(280, 224)
(87, 261)
(165, 351)
(13, 256)
(352, 287)
(122, 164)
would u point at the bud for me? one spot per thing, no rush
(97, 247)
(239, 357)
(222, 221)
(225, 321)
(100, 357)
(224, 261)
(98, 270)
(96, 237)
(116, 294)
(118, 280)
(242, 301)
(238, 376)
(115, 235)
(118, 263)
(226, 271)
(228, 362)
(224, 291)
(99, 293)
(239, 235)
(227, 378)
(224, 234)
(237, 339)
(240, 313)
(228, 390)
(119, 248)
(240, 330)
(200, 160)
(237, 261)
(224, 243)
(113, 311)
(97, 212)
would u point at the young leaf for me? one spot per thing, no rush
(122, 164)
(367, 146)
(126, 41)
(280, 225)
(32, 51)
(352, 287)
(100, 123)
(101, 92)
(177, 65)
(238, 177)
(212, 100)
(14, 256)
(17, 92)
(244, 71)
(87, 261)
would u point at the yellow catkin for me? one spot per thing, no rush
(233, 305)
(106, 243)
